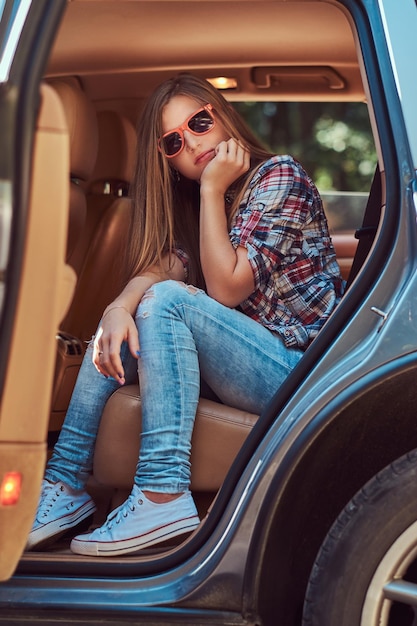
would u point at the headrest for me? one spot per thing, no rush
(116, 148)
(82, 127)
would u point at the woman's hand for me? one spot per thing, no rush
(232, 160)
(117, 325)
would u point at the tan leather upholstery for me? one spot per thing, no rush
(45, 288)
(345, 246)
(219, 432)
(117, 148)
(81, 121)
(103, 242)
(100, 280)
(98, 255)
(82, 127)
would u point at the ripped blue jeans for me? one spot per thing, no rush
(183, 334)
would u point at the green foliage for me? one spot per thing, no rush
(332, 140)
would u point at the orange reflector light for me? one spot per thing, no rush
(10, 488)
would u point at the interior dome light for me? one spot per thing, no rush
(223, 82)
(10, 488)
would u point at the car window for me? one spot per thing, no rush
(332, 140)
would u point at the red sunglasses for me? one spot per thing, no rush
(199, 123)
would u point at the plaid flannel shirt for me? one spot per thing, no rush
(281, 223)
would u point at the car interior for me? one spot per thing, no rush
(107, 58)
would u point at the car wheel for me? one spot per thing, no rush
(366, 571)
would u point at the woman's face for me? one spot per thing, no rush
(198, 150)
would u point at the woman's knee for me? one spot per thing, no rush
(165, 294)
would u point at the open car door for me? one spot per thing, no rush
(35, 283)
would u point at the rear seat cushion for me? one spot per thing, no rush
(219, 433)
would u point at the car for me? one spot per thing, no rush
(309, 510)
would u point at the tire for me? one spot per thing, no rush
(368, 561)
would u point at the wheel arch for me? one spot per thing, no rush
(366, 427)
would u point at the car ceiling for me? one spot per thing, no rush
(276, 49)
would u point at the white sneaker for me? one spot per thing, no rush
(59, 509)
(137, 524)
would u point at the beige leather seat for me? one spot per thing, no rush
(219, 433)
(100, 251)
(83, 134)
(83, 142)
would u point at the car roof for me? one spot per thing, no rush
(276, 50)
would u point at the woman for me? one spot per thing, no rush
(213, 210)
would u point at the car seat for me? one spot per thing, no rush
(219, 432)
(99, 253)
(83, 142)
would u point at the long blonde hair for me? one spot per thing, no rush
(166, 204)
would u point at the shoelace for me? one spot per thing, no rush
(123, 511)
(49, 495)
